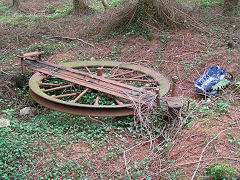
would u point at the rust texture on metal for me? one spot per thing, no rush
(98, 83)
(122, 93)
(22, 62)
(100, 71)
(174, 86)
(158, 95)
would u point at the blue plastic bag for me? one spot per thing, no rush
(205, 83)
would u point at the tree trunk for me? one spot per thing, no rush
(15, 4)
(104, 3)
(230, 7)
(79, 6)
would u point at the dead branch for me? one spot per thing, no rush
(204, 149)
(73, 39)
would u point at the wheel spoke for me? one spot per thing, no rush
(132, 79)
(136, 77)
(116, 70)
(96, 102)
(47, 84)
(88, 69)
(117, 101)
(121, 74)
(149, 88)
(57, 88)
(65, 95)
(80, 95)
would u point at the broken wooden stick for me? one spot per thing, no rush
(73, 39)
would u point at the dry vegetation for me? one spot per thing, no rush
(207, 132)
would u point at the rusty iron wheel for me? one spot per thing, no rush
(72, 98)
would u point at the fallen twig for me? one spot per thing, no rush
(194, 162)
(204, 149)
(73, 39)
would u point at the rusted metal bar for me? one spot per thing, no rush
(88, 69)
(97, 100)
(80, 95)
(100, 71)
(132, 79)
(47, 84)
(149, 88)
(174, 86)
(125, 73)
(117, 101)
(66, 95)
(22, 62)
(57, 88)
(158, 96)
(136, 77)
(40, 55)
(116, 70)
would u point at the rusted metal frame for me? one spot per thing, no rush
(160, 79)
(104, 87)
(125, 73)
(74, 78)
(47, 84)
(57, 88)
(80, 95)
(65, 95)
(93, 77)
(83, 111)
(132, 79)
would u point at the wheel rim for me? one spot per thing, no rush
(121, 72)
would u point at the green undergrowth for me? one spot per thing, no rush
(39, 143)
(59, 145)
(220, 172)
(55, 145)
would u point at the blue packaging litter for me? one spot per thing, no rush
(215, 75)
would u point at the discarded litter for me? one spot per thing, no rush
(4, 122)
(213, 81)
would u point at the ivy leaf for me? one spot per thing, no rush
(220, 85)
(238, 83)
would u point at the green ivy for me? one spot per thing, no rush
(220, 172)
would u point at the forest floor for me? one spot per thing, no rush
(61, 146)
